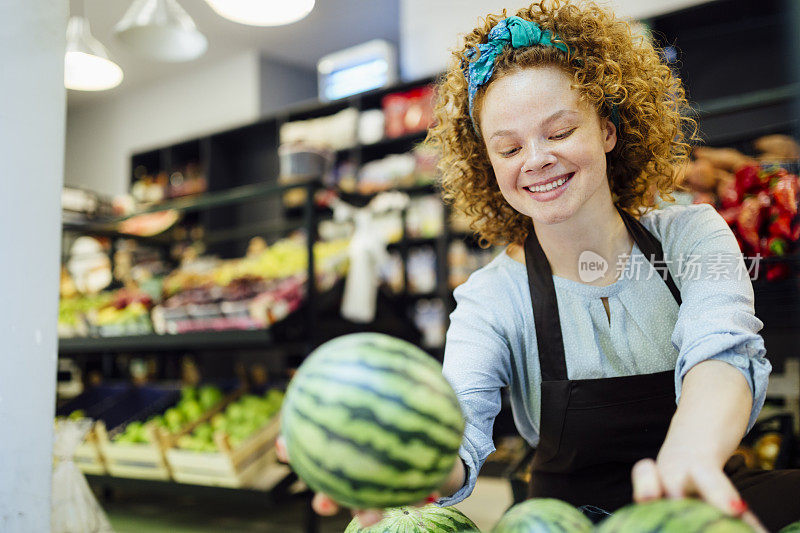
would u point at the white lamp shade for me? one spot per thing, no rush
(86, 63)
(161, 30)
(262, 12)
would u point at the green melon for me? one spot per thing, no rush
(428, 519)
(543, 515)
(794, 527)
(667, 516)
(370, 421)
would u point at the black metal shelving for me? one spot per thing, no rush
(206, 340)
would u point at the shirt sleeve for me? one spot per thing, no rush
(475, 365)
(717, 317)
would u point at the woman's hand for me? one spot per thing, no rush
(680, 475)
(323, 505)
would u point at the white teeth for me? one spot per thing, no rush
(548, 186)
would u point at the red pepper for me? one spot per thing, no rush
(785, 193)
(781, 227)
(748, 180)
(749, 220)
(777, 271)
(795, 232)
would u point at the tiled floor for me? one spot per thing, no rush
(159, 514)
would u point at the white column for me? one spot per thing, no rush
(32, 122)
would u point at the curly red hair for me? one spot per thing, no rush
(609, 65)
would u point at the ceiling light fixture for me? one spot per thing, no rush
(86, 63)
(161, 30)
(262, 12)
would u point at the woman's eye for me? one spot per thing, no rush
(563, 134)
(510, 152)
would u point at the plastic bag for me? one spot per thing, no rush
(74, 507)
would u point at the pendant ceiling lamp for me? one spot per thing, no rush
(262, 12)
(86, 63)
(161, 30)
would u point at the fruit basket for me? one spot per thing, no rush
(93, 403)
(235, 448)
(149, 420)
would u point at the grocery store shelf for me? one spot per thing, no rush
(232, 196)
(413, 242)
(390, 142)
(257, 338)
(109, 229)
(752, 100)
(361, 199)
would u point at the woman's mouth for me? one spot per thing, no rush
(551, 189)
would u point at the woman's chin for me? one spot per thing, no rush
(551, 215)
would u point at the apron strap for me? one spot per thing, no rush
(549, 339)
(651, 249)
(552, 361)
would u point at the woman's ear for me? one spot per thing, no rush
(609, 135)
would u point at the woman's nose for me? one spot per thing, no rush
(537, 158)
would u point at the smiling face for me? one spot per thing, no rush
(547, 147)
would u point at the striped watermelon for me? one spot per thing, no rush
(686, 516)
(428, 519)
(370, 421)
(794, 527)
(543, 515)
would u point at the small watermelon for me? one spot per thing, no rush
(794, 527)
(543, 515)
(428, 519)
(684, 516)
(370, 421)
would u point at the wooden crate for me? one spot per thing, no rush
(253, 464)
(87, 455)
(141, 460)
(148, 460)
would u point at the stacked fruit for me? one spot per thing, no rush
(760, 206)
(238, 422)
(72, 312)
(755, 195)
(193, 404)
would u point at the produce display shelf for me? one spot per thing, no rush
(364, 198)
(256, 338)
(231, 196)
(106, 229)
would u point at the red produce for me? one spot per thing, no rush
(765, 200)
(777, 271)
(749, 220)
(748, 180)
(782, 227)
(785, 193)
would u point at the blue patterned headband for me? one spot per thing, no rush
(517, 32)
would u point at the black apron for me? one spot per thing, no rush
(593, 431)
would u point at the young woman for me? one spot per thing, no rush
(557, 128)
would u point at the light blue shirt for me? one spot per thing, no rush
(491, 342)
